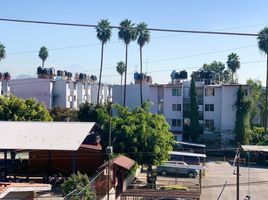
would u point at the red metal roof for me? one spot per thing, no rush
(124, 162)
(91, 146)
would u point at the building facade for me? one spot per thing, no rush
(59, 92)
(216, 105)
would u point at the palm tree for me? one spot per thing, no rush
(43, 54)
(120, 68)
(127, 33)
(263, 46)
(233, 63)
(2, 51)
(104, 33)
(143, 37)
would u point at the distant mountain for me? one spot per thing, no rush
(23, 76)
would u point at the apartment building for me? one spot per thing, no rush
(60, 89)
(216, 105)
(4, 83)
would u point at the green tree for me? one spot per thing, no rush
(256, 95)
(263, 46)
(120, 68)
(77, 187)
(127, 33)
(43, 55)
(143, 37)
(242, 123)
(92, 113)
(104, 33)
(194, 121)
(2, 51)
(63, 114)
(16, 109)
(139, 134)
(233, 63)
(217, 68)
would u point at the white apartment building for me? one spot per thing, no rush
(164, 99)
(4, 87)
(216, 105)
(59, 92)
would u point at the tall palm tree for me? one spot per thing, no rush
(104, 33)
(233, 63)
(2, 51)
(143, 37)
(127, 33)
(120, 68)
(263, 46)
(43, 54)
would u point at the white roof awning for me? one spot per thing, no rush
(255, 148)
(191, 144)
(43, 135)
(180, 153)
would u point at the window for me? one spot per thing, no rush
(74, 98)
(209, 91)
(176, 91)
(176, 107)
(176, 123)
(209, 124)
(209, 107)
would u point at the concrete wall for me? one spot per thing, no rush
(41, 89)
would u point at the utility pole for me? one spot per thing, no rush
(237, 173)
(109, 148)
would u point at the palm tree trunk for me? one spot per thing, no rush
(125, 84)
(266, 93)
(141, 74)
(121, 90)
(43, 63)
(98, 96)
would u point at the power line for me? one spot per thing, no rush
(117, 27)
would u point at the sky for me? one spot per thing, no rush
(77, 49)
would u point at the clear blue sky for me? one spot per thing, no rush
(166, 51)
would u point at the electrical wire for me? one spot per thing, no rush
(118, 27)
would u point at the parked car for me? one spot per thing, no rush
(176, 168)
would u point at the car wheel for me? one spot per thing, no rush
(191, 175)
(163, 173)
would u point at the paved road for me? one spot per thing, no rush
(216, 175)
(219, 172)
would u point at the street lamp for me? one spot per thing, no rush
(109, 149)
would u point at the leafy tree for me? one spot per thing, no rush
(16, 109)
(63, 114)
(257, 96)
(92, 113)
(43, 55)
(127, 33)
(216, 67)
(104, 33)
(143, 38)
(233, 63)
(120, 68)
(139, 134)
(194, 122)
(77, 187)
(242, 124)
(2, 51)
(263, 46)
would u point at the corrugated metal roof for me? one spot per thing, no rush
(188, 154)
(43, 135)
(255, 148)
